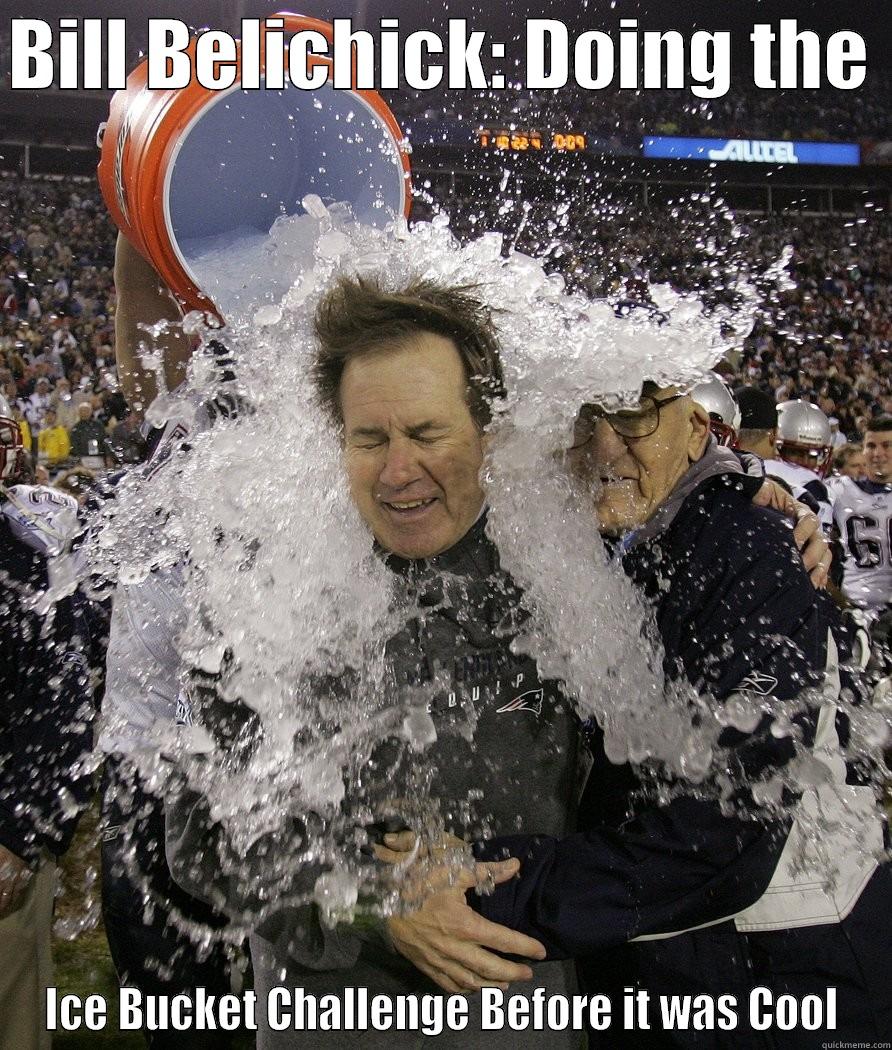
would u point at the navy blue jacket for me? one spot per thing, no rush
(734, 607)
(47, 706)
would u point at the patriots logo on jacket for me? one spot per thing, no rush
(183, 715)
(75, 657)
(531, 700)
(763, 684)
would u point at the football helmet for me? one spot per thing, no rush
(804, 437)
(714, 395)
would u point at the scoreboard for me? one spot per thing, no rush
(522, 139)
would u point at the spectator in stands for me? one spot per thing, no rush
(52, 358)
(53, 444)
(127, 442)
(19, 416)
(36, 405)
(827, 407)
(89, 441)
(109, 405)
(848, 461)
(64, 404)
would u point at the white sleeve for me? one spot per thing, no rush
(142, 679)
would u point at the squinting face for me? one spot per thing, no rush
(413, 452)
(878, 455)
(631, 477)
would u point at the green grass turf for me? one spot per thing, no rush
(83, 964)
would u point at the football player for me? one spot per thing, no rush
(862, 512)
(804, 450)
(724, 414)
(49, 640)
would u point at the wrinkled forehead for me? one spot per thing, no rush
(648, 390)
(416, 362)
(421, 377)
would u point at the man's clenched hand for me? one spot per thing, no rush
(444, 937)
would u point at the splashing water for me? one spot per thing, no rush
(282, 594)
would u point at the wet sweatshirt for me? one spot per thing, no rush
(731, 601)
(504, 762)
(671, 896)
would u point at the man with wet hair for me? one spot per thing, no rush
(408, 377)
(713, 890)
(413, 460)
(358, 317)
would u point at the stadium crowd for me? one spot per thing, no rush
(744, 112)
(826, 338)
(57, 300)
(823, 335)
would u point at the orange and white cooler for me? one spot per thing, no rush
(182, 168)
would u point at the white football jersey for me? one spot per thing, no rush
(143, 661)
(142, 683)
(179, 414)
(41, 517)
(862, 512)
(802, 480)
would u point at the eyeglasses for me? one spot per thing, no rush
(628, 423)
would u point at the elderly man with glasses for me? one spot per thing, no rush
(687, 891)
